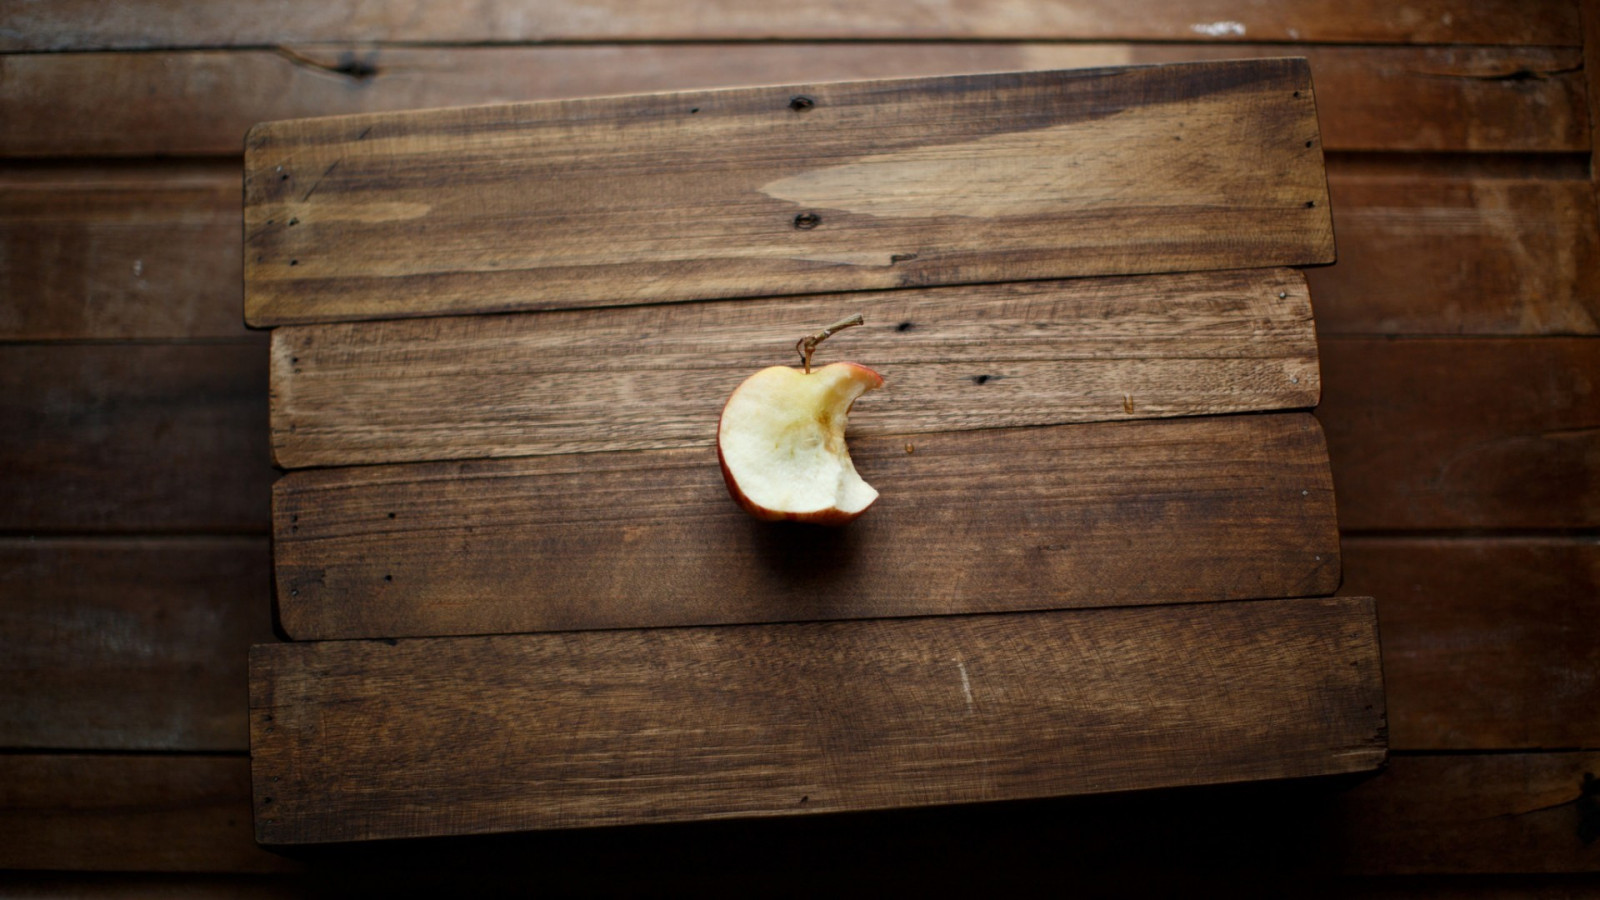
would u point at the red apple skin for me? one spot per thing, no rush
(820, 517)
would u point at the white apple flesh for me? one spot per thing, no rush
(781, 444)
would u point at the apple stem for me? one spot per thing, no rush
(808, 345)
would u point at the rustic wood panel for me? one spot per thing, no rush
(1530, 264)
(118, 438)
(129, 814)
(965, 357)
(1480, 433)
(1424, 252)
(144, 24)
(355, 740)
(745, 192)
(1488, 644)
(130, 644)
(1087, 515)
(203, 101)
(1504, 812)
(127, 253)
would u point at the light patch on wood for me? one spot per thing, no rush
(852, 258)
(966, 683)
(1179, 154)
(322, 213)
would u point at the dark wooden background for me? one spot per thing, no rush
(1461, 371)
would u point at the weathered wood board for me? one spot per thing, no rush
(1087, 515)
(1453, 433)
(146, 24)
(954, 358)
(1488, 643)
(131, 437)
(132, 644)
(785, 190)
(361, 740)
(126, 252)
(152, 252)
(201, 102)
(129, 813)
(1429, 253)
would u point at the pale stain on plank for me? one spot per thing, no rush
(1122, 161)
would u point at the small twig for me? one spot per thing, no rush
(808, 345)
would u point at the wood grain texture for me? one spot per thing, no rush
(129, 814)
(127, 255)
(130, 437)
(147, 24)
(1508, 812)
(1478, 433)
(130, 644)
(203, 101)
(140, 253)
(1087, 515)
(360, 740)
(1425, 253)
(1488, 644)
(955, 358)
(734, 193)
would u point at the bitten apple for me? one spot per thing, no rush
(781, 443)
(782, 448)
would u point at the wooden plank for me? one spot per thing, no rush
(487, 734)
(955, 358)
(118, 438)
(1426, 253)
(865, 185)
(133, 253)
(1488, 644)
(1478, 433)
(202, 102)
(1503, 812)
(130, 644)
(129, 814)
(1505, 252)
(1087, 515)
(157, 24)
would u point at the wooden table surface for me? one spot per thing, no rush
(1459, 354)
